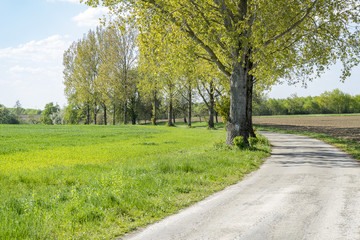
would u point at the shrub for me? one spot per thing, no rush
(253, 141)
(240, 142)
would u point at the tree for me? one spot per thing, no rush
(81, 62)
(49, 110)
(249, 40)
(18, 108)
(336, 101)
(6, 117)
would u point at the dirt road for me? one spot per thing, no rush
(305, 190)
(347, 126)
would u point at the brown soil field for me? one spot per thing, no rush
(347, 127)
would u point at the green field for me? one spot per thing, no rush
(98, 182)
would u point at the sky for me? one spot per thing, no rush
(35, 34)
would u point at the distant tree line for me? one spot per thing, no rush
(18, 114)
(329, 102)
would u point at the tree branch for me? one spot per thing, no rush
(293, 26)
(188, 30)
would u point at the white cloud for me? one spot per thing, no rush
(47, 49)
(90, 17)
(32, 72)
(20, 69)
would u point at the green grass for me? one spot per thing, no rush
(348, 146)
(197, 124)
(98, 182)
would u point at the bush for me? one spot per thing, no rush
(6, 117)
(253, 141)
(240, 142)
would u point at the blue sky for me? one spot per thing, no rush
(35, 33)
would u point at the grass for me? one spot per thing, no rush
(197, 124)
(99, 182)
(348, 146)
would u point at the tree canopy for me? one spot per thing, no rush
(253, 41)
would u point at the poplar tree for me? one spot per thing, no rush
(252, 40)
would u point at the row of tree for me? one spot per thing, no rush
(54, 115)
(251, 43)
(329, 102)
(334, 101)
(105, 73)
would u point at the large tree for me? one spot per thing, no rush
(252, 39)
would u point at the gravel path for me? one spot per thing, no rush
(306, 190)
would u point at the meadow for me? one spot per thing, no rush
(99, 182)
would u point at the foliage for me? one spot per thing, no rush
(250, 41)
(334, 101)
(99, 71)
(73, 114)
(7, 117)
(49, 111)
(240, 142)
(223, 108)
(99, 182)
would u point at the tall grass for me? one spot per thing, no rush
(98, 182)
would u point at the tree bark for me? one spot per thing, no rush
(211, 106)
(114, 114)
(125, 112)
(133, 117)
(189, 105)
(170, 112)
(105, 114)
(95, 114)
(249, 122)
(154, 113)
(250, 89)
(237, 124)
(88, 114)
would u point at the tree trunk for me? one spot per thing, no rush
(88, 114)
(174, 118)
(170, 112)
(114, 114)
(133, 117)
(250, 86)
(249, 103)
(95, 114)
(211, 106)
(190, 105)
(216, 117)
(154, 113)
(237, 124)
(125, 112)
(105, 115)
(185, 120)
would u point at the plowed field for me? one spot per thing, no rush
(347, 127)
